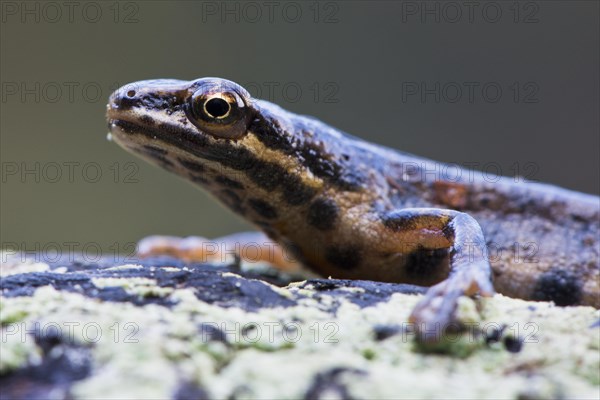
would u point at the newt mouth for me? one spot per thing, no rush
(171, 134)
(122, 120)
(125, 126)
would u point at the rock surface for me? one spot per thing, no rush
(166, 329)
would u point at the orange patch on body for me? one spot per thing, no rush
(453, 195)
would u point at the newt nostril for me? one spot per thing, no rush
(124, 99)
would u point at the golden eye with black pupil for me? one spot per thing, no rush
(220, 112)
(217, 107)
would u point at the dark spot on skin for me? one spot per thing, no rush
(232, 200)
(269, 133)
(230, 183)
(427, 266)
(322, 214)
(164, 161)
(191, 165)
(559, 286)
(153, 150)
(295, 192)
(148, 120)
(233, 196)
(263, 208)
(237, 158)
(343, 257)
(157, 154)
(199, 179)
(324, 165)
(512, 344)
(267, 175)
(317, 161)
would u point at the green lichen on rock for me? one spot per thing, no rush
(200, 331)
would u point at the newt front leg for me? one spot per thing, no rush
(470, 271)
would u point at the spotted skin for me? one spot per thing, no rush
(191, 166)
(344, 257)
(322, 214)
(263, 209)
(227, 182)
(347, 208)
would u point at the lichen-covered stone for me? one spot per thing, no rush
(166, 329)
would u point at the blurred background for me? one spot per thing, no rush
(507, 87)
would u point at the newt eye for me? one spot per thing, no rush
(217, 107)
(219, 111)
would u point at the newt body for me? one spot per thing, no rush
(347, 208)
